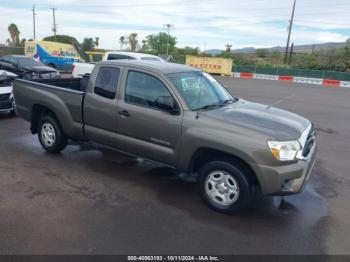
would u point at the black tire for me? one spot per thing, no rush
(241, 180)
(58, 140)
(52, 65)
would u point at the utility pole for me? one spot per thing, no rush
(34, 21)
(289, 32)
(54, 26)
(168, 27)
(291, 53)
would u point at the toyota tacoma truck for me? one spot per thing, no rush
(178, 116)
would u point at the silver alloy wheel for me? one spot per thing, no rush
(48, 134)
(221, 188)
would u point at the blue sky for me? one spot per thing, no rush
(197, 23)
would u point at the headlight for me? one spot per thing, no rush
(284, 150)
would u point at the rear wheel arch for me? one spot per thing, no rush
(38, 112)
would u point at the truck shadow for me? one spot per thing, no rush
(265, 212)
(5, 116)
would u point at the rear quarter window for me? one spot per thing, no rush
(107, 82)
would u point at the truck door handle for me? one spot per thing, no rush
(124, 113)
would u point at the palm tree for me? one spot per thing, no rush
(228, 48)
(14, 33)
(133, 41)
(122, 42)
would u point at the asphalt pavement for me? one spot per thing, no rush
(91, 200)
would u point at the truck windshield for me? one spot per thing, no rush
(29, 61)
(200, 90)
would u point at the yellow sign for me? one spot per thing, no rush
(214, 65)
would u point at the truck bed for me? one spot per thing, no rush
(77, 84)
(63, 97)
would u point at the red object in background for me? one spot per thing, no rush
(286, 78)
(246, 75)
(333, 83)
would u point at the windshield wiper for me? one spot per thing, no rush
(225, 102)
(212, 106)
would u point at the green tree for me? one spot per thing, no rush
(228, 48)
(262, 52)
(65, 39)
(97, 41)
(157, 43)
(187, 50)
(88, 44)
(14, 33)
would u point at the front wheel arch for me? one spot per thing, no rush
(204, 155)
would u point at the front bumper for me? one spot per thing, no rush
(286, 179)
(6, 106)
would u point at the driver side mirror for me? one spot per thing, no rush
(167, 103)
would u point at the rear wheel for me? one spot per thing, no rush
(51, 136)
(224, 186)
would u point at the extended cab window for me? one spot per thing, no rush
(107, 81)
(143, 89)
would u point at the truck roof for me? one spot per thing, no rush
(162, 68)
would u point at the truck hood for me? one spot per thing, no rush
(273, 122)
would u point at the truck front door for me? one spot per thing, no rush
(148, 131)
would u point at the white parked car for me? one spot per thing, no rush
(7, 102)
(80, 69)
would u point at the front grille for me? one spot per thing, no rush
(310, 141)
(4, 97)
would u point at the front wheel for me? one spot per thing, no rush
(224, 186)
(51, 136)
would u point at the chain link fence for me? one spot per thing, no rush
(323, 74)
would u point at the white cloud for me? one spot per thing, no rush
(257, 23)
